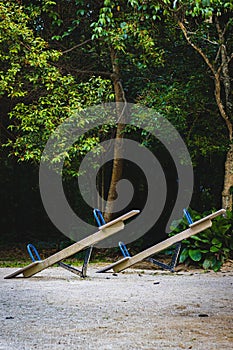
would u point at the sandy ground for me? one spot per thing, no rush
(137, 309)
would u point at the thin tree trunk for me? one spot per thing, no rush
(117, 167)
(228, 181)
(228, 174)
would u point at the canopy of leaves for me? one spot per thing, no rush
(41, 97)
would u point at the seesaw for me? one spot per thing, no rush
(104, 231)
(194, 228)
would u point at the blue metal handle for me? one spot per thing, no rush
(99, 217)
(100, 221)
(188, 216)
(123, 249)
(31, 247)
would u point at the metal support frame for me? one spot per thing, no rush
(70, 268)
(86, 261)
(100, 222)
(173, 262)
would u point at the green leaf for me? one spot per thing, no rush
(195, 254)
(184, 255)
(215, 241)
(214, 249)
(207, 263)
(217, 266)
(196, 238)
(226, 250)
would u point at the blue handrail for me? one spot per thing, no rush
(31, 247)
(188, 216)
(124, 249)
(99, 217)
(100, 221)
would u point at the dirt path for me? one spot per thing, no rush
(132, 310)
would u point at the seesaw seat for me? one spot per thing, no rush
(193, 229)
(103, 232)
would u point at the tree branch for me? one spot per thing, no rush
(217, 80)
(76, 46)
(196, 48)
(81, 71)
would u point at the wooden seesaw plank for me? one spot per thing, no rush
(104, 231)
(193, 229)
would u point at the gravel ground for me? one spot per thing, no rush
(137, 309)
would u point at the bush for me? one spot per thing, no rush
(210, 248)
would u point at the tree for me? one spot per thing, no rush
(127, 37)
(117, 39)
(182, 91)
(207, 27)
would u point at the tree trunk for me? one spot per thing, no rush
(224, 75)
(228, 175)
(117, 166)
(228, 180)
